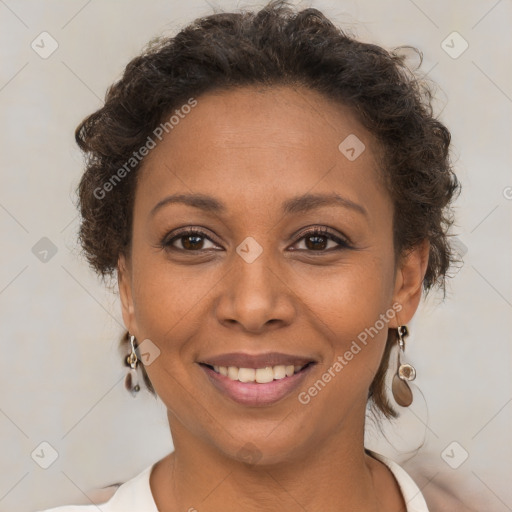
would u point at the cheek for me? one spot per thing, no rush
(356, 307)
(165, 307)
(167, 297)
(351, 297)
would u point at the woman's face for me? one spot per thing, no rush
(254, 279)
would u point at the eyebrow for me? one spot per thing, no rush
(299, 204)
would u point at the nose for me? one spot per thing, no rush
(255, 296)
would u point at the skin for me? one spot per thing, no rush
(253, 148)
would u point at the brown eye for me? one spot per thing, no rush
(318, 241)
(191, 240)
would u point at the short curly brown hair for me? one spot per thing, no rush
(276, 46)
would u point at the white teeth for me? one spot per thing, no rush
(264, 375)
(246, 374)
(233, 373)
(279, 372)
(260, 375)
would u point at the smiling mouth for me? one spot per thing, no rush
(257, 375)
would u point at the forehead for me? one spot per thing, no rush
(254, 141)
(263, 118)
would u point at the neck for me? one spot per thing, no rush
(336, 474)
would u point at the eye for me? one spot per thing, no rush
(190, 240)
(317, 240)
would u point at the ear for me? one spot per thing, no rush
(409, 282)
(124, 282)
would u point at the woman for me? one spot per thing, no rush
(273, 197)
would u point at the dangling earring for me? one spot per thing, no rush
(405, 372)
(131, 381)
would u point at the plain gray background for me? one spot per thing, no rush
(61, 374)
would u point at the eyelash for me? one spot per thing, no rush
(321, 232)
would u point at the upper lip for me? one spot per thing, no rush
(241, 360)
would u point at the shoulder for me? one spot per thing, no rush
(133, 495)
(442, 495)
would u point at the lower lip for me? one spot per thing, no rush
(254, 393)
